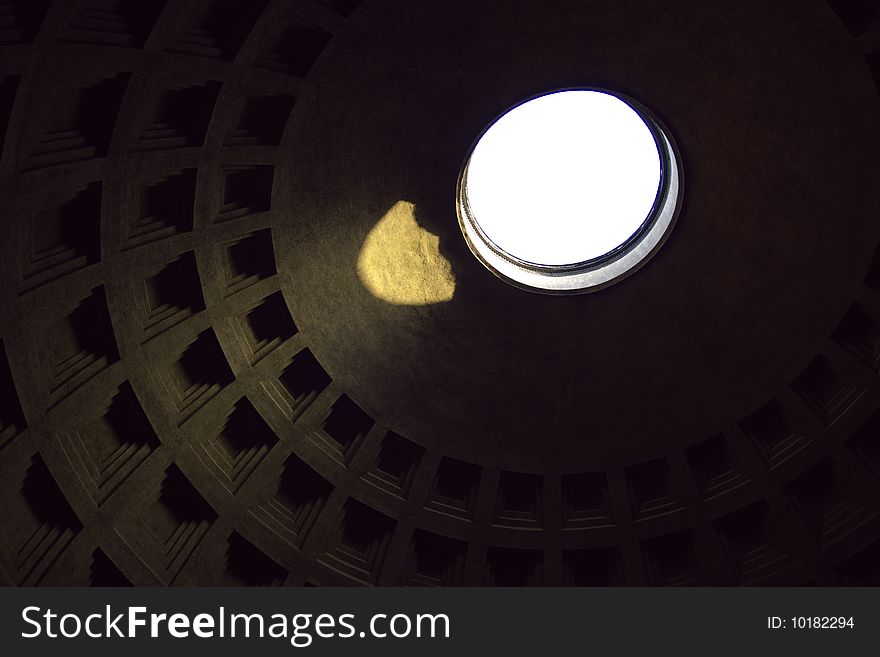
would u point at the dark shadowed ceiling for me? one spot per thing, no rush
(244, 341)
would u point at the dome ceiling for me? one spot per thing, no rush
(244, 341)
(504, 377)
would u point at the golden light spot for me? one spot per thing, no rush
(400, 262)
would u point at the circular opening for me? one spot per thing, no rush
(569, 191)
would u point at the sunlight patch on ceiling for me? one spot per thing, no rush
(400, 262)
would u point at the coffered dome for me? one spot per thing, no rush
(245, 340)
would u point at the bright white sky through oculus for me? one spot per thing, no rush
(564, 178)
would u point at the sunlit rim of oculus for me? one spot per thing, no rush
(570, 191)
